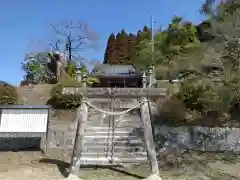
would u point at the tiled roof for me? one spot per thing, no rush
(114, 70)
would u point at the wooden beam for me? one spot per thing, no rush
(115, 92)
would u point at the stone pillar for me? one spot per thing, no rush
(58, 71)
(82, 116)
(78, 74)
(144, 80)
(150, 76)
(154, 76)
(84, 80)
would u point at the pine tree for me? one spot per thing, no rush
(110, 55)
(145, 29)
(146, 34)
(143, 34)
(139, 35)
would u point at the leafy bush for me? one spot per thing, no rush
(60, 101)
(207, 101)
(8, 95)
(166, 109)
(71, 69)
(92, 80)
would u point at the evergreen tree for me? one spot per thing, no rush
(121, 48)
(131, 47)
(143, 35)
(138, 33)
(110, 55)
(146, 33)
(117, 48)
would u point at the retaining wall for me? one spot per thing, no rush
(200, 138)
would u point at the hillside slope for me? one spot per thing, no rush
(35, 94)
(38, 95)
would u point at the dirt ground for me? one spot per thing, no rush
(30, 165)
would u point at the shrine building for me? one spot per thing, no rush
(116, 76)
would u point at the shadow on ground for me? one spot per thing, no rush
(64, 166)
(20, 143)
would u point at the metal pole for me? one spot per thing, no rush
(151, 74)
(153, 51)
(152, 34)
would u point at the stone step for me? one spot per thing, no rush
(111, 161)
(116, 123)
(102, 148)
(115, 142)
(112, 120)
(106, 133)
(103, 137)
(106, 128)
(109, 148)
(119, 154)
(115, 130)
(92, 132)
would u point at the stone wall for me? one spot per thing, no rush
(61, 135)
(199, 138)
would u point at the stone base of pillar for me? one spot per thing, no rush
(72, 177)
(153, 177)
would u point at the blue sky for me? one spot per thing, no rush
(25, 24)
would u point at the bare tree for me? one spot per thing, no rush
(72, 38)
(69, 39)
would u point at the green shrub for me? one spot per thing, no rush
(204, 96)
(60, 101)
(71, 69)
(207, 102)
(172, 111)
(8, 95)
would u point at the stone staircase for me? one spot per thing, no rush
(113, 140)
(107, 141)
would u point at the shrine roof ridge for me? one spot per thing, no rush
(114, 70)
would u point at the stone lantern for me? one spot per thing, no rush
(144, 80)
